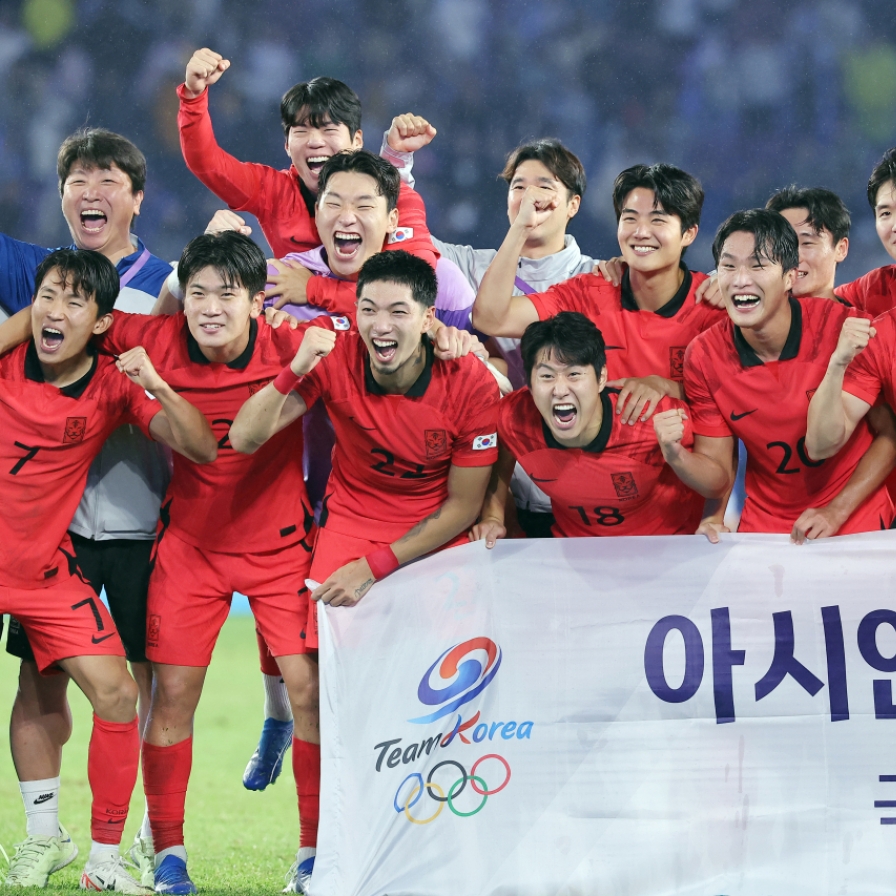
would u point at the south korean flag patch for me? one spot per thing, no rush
(483, 443)
(401, 235)
(341, 323)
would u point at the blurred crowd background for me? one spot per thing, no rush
(749, 96)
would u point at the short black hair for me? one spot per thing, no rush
(676, 191)
(884, 170)
(362, 161)
(99, 148)
(563, 164)
(83, 271)
(776, 241)
(825, 208)
(403, 269)
(570, 336)
(234, 256)
(319, 100)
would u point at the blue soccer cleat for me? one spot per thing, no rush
(172, 877)
(267, 761)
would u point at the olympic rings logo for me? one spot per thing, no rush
(409, 794)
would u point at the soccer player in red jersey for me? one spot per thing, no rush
(875, 292)
(603, 477)
(649, 319)
(60, 402)
(751, 377)
(320, 118)
(240, 524)
(415, 437)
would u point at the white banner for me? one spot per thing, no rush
(620, 716)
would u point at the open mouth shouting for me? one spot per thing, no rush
(348, 245)
(50, 340)
(564, 415)
(315, 163)
(93, 220)
(745, 301)
(385, 350)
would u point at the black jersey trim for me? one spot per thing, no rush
(671, 308)
(240, 363)
(600, 441)
(421, 384)
(34, 372)
(748, 356)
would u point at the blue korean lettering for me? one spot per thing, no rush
(784, 662)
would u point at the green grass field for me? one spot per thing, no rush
(239, 842)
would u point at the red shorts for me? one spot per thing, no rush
(63, 620)
(190, 590)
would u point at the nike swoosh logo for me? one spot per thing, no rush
(536, 479)
(43, 798)
(736, 417)
(97, 640)
(292, 239)
(360, 426)
(609, 348)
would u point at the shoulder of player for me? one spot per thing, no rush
(714, 340)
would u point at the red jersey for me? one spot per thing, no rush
(618, 485)
(872, 371)
(874, 293)
(393, 452)
(733, 393)
(50, 437)
(639, 343)
(241, 503)
(282, 203)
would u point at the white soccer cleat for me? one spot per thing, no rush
(36, 858)
(111, 875)
(141, 860)
(299, 877)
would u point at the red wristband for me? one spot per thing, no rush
(382, 561)
(286, 381)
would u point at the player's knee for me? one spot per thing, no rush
(114, 699)
(304, 695)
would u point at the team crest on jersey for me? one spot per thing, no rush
(341, 323)
(436, 442)
(401, 235)
(810, 393)
(153, 628)
(625, 485)
(257, 387)
(482, 443)
(75, 427)
(676, 362)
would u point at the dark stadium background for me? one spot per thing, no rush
(748, 96)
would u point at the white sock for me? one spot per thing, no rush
(179, 851)
(41, 800)
(102, 852)
(276, 699)
(145, 829)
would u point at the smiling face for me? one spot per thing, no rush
(353, 221)
(885, 217)
(819, 256)
(63, 320)
(550, 232)
(309, 147)
(755, 289)
(99, 205)
(392, 323)
(218, 314)
(650, 238)
(568, 398)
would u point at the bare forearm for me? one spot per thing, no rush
(827, 428)
(873, 469)
(453, 517)
(491, 310)
(698, 472)
(257, 420)
(15, 330)
(186, 428)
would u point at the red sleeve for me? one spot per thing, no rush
(413, 235)
(139, 407)
(852, 293)
(564, 296)
(335, 296)
(128, 331)
(239, 184)
(865, 376)
(476, 444)
(705, 415)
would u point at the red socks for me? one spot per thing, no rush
(306, 769)
(112, 759)
(268, 663)
(166, 773)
